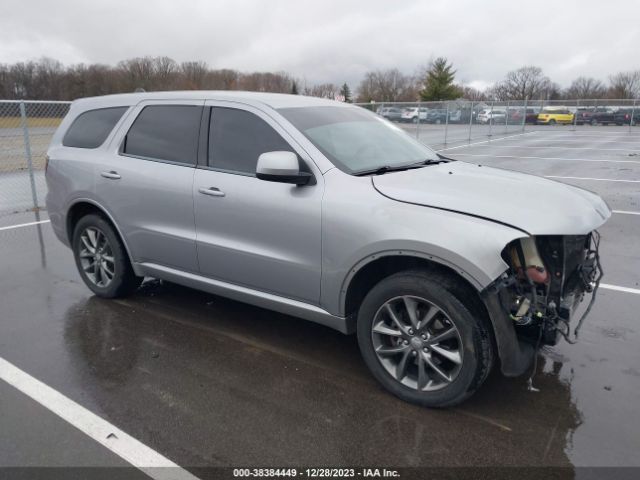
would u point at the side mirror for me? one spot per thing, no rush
(281, 167)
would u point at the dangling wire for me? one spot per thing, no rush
(530, 386)
(596, 253)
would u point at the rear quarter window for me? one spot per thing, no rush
(91, 128)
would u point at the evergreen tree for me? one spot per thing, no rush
(345, 91)
(294, 87)
(438, 84)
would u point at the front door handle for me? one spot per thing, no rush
(113, 175)
(212, 191)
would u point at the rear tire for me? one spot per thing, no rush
(101, 259)
(415, 355)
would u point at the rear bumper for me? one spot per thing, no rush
(57, 218)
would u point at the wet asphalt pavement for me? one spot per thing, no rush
(206, 381)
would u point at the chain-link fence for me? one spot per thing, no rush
(449, 123)
(26, 129)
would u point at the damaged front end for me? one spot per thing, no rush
(533, 302)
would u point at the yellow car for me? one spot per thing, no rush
(550, 116)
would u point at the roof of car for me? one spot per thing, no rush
(273, 100)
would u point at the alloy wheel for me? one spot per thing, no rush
(96, 257)
(417, 343)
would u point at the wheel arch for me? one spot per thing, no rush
(84, 206)
(371, 270)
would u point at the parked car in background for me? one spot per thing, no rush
(626, 116)
(391, 113)
(595, 116)
(552, 116)
(455, 116)
(436, 115)
(413, 114)
(493, 116)
(531, 116)
(317, 209)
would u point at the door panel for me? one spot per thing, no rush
(152, 203)
(260, 234)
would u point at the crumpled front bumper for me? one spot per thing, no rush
(579, 273)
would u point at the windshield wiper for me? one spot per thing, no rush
(387, 168)
(396, 168)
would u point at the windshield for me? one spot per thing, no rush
(356, 140)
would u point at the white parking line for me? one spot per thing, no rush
(573, 140)
(562, 159)
(485, 141)
(620, 289)
(565, 148)
(20, 225)
(625, 212)
(109, 436)
(588, 135)
(594, 179)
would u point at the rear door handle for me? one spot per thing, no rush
(111, 175)
(212, 191)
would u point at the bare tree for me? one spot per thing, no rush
(279, 82)
(194, 75)
(22, 80)
(585, 87)
(165, 72)
(322, 90)
(526, 82)
(471, 93)
(136, 73)
(224, 79)
(388, 86)
(625, 85)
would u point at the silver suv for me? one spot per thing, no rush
(327, 212)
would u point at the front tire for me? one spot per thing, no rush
(101, 258)
(421, 341)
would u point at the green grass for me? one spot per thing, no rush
(33, 122)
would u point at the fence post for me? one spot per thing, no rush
(490, 120)
(633, 111)
(470, 120)
(524, 114)
(27, 148)
(506, 118)
(446, 125)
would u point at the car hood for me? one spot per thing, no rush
(535, 205)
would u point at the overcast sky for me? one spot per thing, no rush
(334, 41)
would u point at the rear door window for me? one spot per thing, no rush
(91, 128)
(237, 138)
(165, 132)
